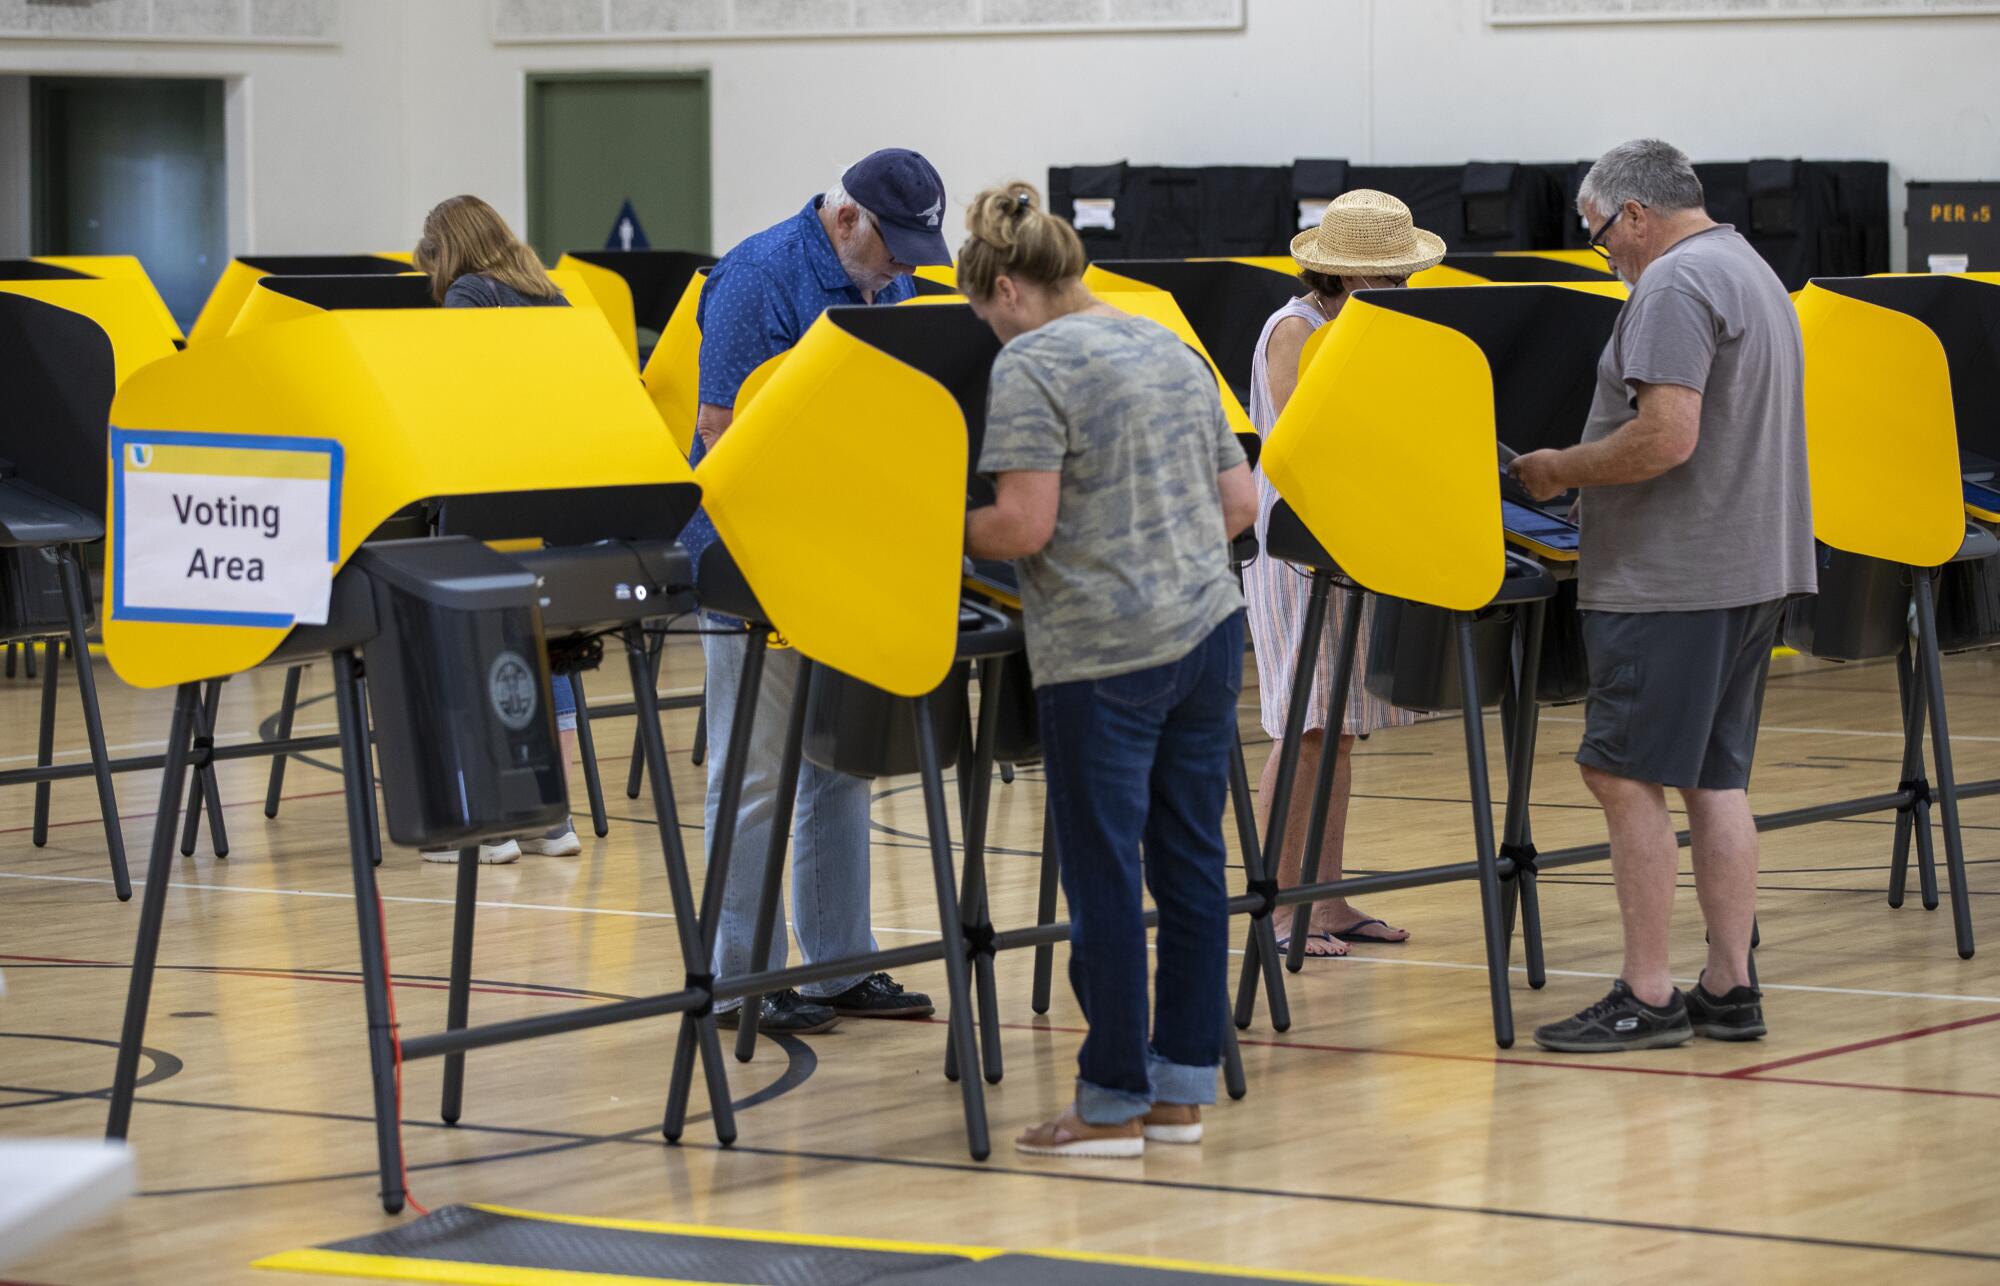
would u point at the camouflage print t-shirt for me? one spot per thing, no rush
(1137, 572)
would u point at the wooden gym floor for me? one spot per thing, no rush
(1384, 1135)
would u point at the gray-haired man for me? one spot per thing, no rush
(1696, 527)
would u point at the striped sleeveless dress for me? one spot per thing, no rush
(1276, 593)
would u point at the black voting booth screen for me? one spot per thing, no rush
(656, 278)
(1965, 316)
(1807, 218)
(59, 378)
(350, 291)
(1227, 304)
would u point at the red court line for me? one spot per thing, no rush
(1685, 1073)
(148, 816)
(303, 977)
(1743, 1073)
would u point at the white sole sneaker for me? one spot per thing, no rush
(1174, 1133)
(489, 854)
(1125, 1148)
(564, 845)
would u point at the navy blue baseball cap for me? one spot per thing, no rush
(906, 196)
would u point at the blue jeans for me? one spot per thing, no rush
(829, 828)
(1142, 760)
(564, 698)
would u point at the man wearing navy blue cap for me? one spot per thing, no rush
(856, 244)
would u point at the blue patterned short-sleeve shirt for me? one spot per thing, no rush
(758, 302)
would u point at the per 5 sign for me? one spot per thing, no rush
(223, 529)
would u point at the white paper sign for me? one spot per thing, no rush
(1096, 212)
(1311, 214)
(1951, 263)
(224, 529)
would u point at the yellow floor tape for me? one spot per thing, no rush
(453, 1273)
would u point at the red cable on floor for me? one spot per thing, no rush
(396, 1044)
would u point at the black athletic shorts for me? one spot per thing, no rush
(1675, 696)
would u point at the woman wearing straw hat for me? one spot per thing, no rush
(1366, 241)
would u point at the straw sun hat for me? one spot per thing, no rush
(1367, 234)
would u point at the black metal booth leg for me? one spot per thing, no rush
(288, 708)
(1258, 955)
(75, 601)
(1482, 830)
(697, 1029)
(586, 746)
(363, 846)
(1947, 782)
(957, 982)
(152, 914)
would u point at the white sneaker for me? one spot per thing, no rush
(559, 842)
(489, 854)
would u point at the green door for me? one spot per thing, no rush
(598, 141)
(133, 167)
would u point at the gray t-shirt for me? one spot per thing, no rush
(1137, 572)
(1733, 525)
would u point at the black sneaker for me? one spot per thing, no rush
(879, 996)
(1620, 1021)
(1739, 1015)
(785, 1011)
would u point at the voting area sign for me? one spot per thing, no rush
(224, 529)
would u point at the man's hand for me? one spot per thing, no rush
(710, 421)
(1541, 473)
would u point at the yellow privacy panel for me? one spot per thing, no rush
(673, 372)
(124, 310)
(119, 268)
(840, 491)
(232, 288)
(942, 274)
(410, 403)
(1443, 275)
(1386, 453)
(264, 307)
(1881, 436)
(1157, 305)
(1104, 282)
(612, 295)
(754, 382)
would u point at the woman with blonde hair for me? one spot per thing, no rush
(474, 260)
(1118, 485)
(1366, 241)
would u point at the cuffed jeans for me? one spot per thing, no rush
(1136, 761)
(830, 906)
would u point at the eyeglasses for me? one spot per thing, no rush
(1596, 241)
(1384, 283)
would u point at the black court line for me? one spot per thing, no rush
(1386, 1203)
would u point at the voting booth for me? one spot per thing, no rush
(249, 475)
(1389, 463)
(274, 299)
(1903, 433)
(65, 343)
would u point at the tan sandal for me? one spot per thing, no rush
(1069, 1135)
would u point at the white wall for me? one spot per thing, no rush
(316, 132)
(348, 146)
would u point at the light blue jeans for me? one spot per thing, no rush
(830, 905)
